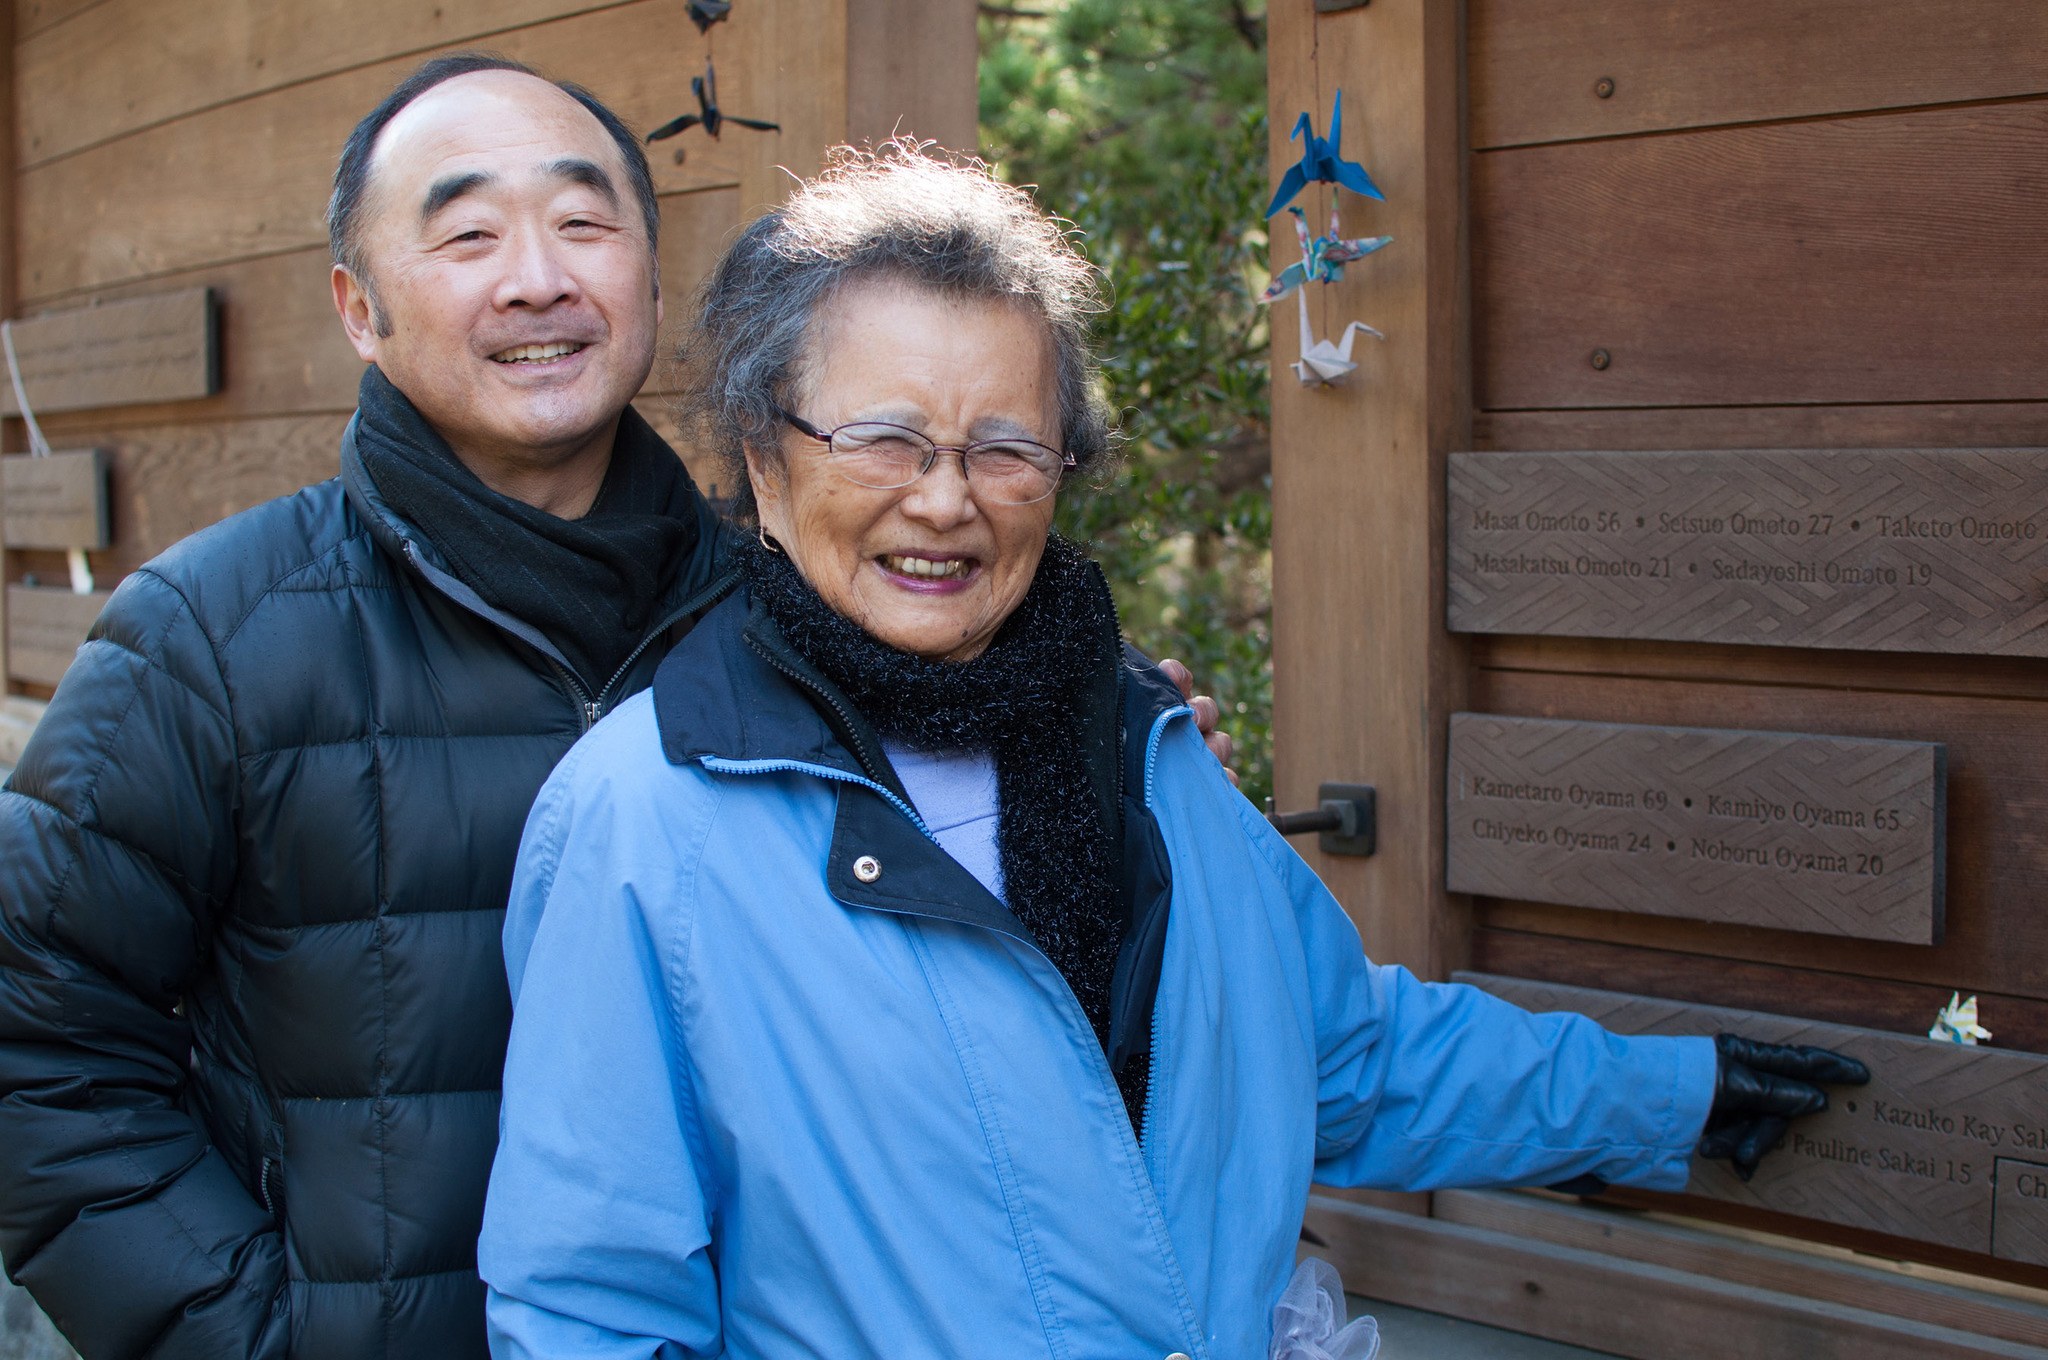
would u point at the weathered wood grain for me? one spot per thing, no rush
(1833, 835)
(18, 719)
(33, 16)
(912, 68)
(1873, 549)
(252, 177)
(157, 347)
(54, 502)
(44, 629)
(127, 64)
(1617, 1306)
(1995, 936)
(1889, 673)
(1887, 258)
(1921, 1152)
(1824, 994)
(1933, 425)
(1736, 1260)
(1536, 65)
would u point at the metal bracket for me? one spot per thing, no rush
(1346, 819)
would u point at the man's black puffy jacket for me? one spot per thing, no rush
(253, 866)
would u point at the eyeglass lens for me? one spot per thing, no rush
(884, 457)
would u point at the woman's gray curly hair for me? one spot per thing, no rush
(896, 211)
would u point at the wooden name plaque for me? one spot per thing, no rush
(1837, 835)
(147, 349)
(1870, 549)
(1948, 1144)
(54, 502)
(45, 627)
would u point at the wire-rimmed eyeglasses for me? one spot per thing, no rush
(884, 457)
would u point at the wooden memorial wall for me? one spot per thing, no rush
(1683, 556)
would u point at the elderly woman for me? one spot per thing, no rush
(901, 977)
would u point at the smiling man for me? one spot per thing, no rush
(254, 863)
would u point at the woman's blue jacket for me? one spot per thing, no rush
(758, 1105)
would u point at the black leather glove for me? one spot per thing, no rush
(1761, 1088)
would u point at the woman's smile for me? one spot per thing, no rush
(929, 573)
(935, 565)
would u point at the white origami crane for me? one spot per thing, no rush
(1324, 361)
(1957, 1023)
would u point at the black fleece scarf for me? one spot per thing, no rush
(590, 585)
(1019, 701)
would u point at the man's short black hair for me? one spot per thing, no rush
(352, 175)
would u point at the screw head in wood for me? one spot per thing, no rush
(1601, 358)
(867, 868)
(1604, 87)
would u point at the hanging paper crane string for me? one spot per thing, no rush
(708, 114)
(705, 13)
(1322, 162)
(1322, 258)
(1324, 361)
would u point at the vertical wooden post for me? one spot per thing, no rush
(9, 200)
(854, 70)
(911, 68)
(1365, 675)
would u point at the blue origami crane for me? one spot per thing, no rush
(1322, 259)
(1322, 162)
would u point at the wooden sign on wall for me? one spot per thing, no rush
(1869, 549)
(147, 349)
(1948, 1144)
(1838, 835)
(55, 502)
(45, 627)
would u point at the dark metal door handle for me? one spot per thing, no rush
(1346, 819)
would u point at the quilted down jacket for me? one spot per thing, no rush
(253, 869)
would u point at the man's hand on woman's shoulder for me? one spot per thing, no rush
(1207, 715)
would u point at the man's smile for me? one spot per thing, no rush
(538, 353)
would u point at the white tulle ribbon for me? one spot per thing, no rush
(1309, 1321)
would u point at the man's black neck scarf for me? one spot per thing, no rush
(590, 585)
(1019, 701)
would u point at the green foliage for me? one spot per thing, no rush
(1143, 121)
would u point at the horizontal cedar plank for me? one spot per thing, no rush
(1991, 676)
(252, 177)
(168, 481)
(283, 351)
(18, 719)
(1634, 1236)
(660, 412)
(1587, 1298)
(1877, 259)
(164, 482)
(1973, 425)
(45, 628)
(1837, 997)
(1821, 996)
(1997, 825)
(33, 16)
(1534, 64)
(128, 64)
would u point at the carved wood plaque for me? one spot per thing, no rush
(54, 502)
(1948, 1144)
(1838, 835)
(1870, 549)
(45, 627)
(146, 349)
